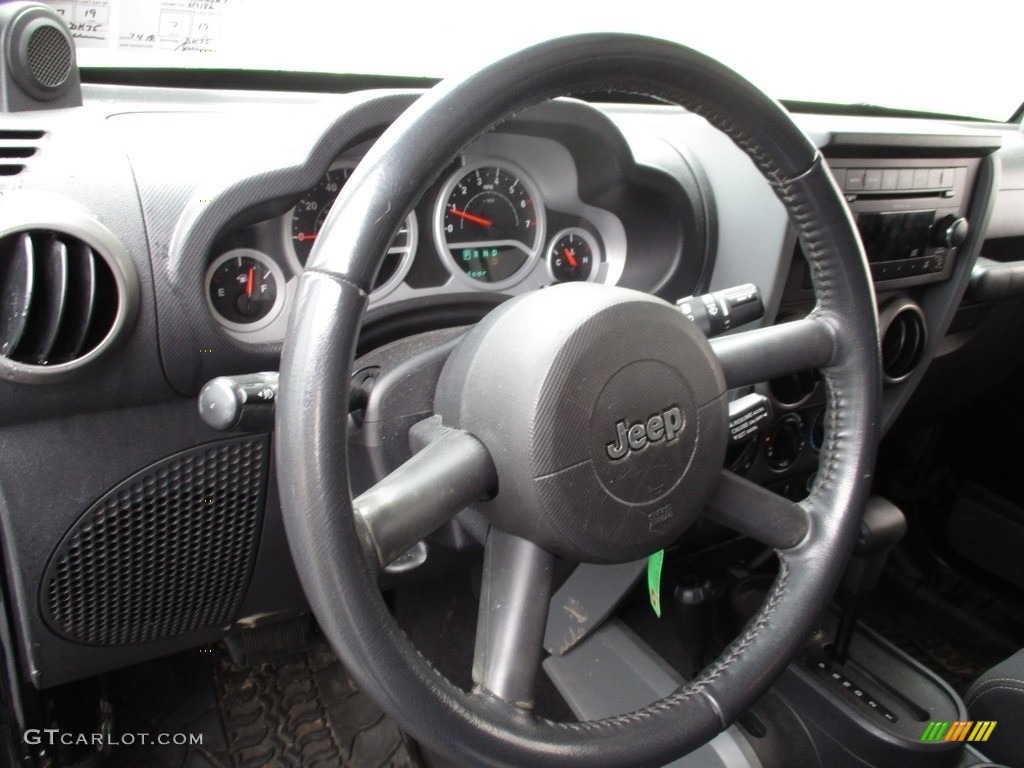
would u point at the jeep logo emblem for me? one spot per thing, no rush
(662, 427)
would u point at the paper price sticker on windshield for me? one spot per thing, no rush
(187, 26)
(89, 21)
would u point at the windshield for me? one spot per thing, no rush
(899, 54)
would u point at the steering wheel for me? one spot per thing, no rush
(611, 435)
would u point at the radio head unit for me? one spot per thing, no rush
(911, 214)
(903, 244)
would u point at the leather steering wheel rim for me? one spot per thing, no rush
(316, 367)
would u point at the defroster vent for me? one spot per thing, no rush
(15, 149)
(167, 552)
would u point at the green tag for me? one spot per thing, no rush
(654, 563)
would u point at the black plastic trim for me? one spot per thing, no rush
(854, 144)
(249, 80)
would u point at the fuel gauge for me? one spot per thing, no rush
(244, 288)
(572, 255)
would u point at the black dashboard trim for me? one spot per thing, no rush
(250, 80)
(856, 144)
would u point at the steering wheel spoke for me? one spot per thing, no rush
(514, 598)
(428, 490)
(767, 353)
(747, 508)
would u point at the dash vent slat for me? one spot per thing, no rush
(16, 151)
(47, 312)
(80, 305)
(59, 298)
(16, 135)
(17, 145)
(15, 291)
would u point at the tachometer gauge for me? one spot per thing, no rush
(489, 223)
(572, 255)
(310, 213)
(245, 289)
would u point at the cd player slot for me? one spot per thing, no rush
(917, 195)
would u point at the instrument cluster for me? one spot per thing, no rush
(506, 217)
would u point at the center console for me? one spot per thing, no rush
(858, 694)
(872, 708)
(916, 202)
(919, 208)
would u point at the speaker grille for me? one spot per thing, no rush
(166, 552)
(49, 56)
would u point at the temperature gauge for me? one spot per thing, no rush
(572, 255)
(245, 289)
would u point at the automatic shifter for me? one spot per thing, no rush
(882, 526)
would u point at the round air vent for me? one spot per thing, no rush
(794, 389)
(67, 290)
(904, 334)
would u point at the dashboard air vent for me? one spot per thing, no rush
(67, 290)
(59, 298)
(15, 148)
(904, 334)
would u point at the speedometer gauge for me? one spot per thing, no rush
(309, 215)
(311, 212)
(489, 223)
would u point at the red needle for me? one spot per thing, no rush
(570, 258)
(470, 217)
(250, 281)
(303, 237)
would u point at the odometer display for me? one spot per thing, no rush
(490, 223)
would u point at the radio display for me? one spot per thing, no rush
(895, 236)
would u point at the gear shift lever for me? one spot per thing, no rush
(882, 526)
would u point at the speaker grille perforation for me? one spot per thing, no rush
(167, 552)
(49, 56)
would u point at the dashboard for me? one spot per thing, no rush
(249, 203)
(197, 210)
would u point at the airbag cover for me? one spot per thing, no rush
(604, 411)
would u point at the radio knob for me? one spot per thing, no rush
(950, 231)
